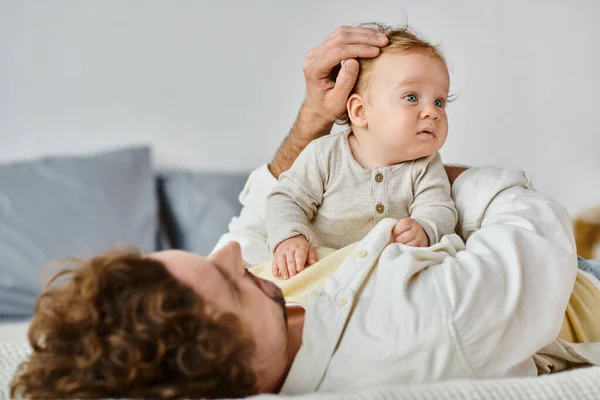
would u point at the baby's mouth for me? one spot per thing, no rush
(426, 132)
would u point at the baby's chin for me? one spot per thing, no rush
(420, 150)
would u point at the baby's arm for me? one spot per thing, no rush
(294, 200)
(433, 207)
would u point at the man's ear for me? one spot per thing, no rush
(356, 111)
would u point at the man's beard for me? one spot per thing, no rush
(278, 299)
(273, 292)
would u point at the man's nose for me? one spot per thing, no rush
(228, 251)
(234, 248)
(233, 252)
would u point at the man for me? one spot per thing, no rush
(174, 324)
(509, 250)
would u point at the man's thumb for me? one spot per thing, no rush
(345, 81)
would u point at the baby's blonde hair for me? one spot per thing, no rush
(400, 40)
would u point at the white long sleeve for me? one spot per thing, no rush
(249, 229)
(393, 314)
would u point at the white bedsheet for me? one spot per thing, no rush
(14, 331)
(582, 384)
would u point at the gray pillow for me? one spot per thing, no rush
(69, 206)
(197, 206)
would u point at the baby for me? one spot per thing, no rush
(386, 165)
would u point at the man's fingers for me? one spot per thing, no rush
(274, 268)
(357, 35)
(320, 61)
(345, 82)
(312, 256)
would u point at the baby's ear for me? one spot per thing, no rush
(356, 111)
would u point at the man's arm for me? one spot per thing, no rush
(509, 288)
(325, 101)
(326, 95)
(307, 127)
(249, 228)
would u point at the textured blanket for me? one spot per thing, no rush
(580, 384)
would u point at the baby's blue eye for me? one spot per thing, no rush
(410, 97)
(438, 103)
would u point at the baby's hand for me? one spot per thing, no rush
(410, 232)
(291, 257)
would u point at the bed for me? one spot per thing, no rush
(580, 384)
(117, 196)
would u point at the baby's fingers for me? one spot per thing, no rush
(291, 263)
(312, 256)
(406, 237)
(281, 264)
(301, 255)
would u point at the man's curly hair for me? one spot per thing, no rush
(121, 326)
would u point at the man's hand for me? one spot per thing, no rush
(327, 88)
(409, 232)
(326, 95)
(291, 257)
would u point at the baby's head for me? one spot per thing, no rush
(398, 104)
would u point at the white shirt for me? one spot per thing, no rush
(448, 311)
